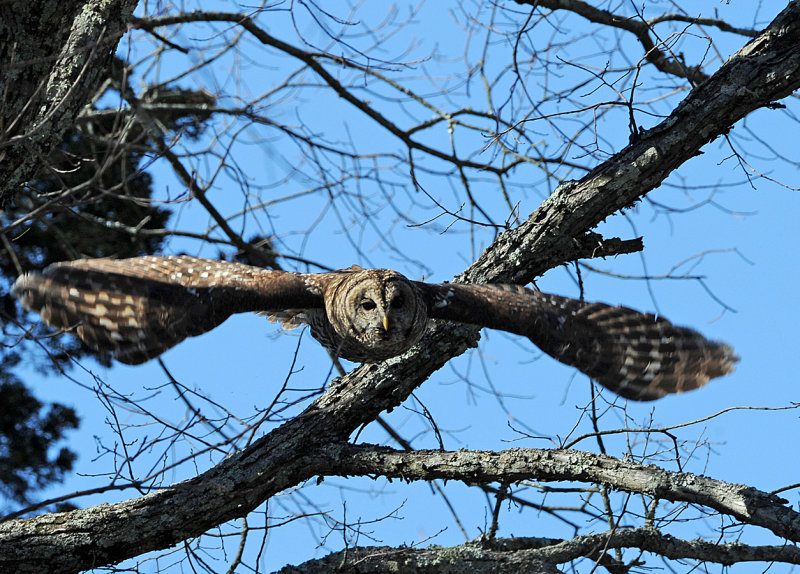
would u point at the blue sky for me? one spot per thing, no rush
(747, 236)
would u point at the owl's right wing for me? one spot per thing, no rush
(637, 355)
(138, 308)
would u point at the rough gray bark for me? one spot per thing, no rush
(765, 70)
(474, 558)
(538, 554)
(739, 501)
(53, 53)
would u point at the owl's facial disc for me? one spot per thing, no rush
(382, 315)
(382, 310)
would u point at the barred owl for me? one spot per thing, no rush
(138, 308)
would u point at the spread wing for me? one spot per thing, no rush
(638, 356)
(138, 308)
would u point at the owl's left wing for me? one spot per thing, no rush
(138, 308)
(638, 356)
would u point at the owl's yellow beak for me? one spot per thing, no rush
(386, 323)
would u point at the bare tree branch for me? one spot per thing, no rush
(763, 71)
(654, 52)
(541, 554)
(480, 467)
(312, 61)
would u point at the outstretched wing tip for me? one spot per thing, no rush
(22, 287)
(718, 360)
(730, 358)
(31, 290)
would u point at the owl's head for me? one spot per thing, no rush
(377, 312)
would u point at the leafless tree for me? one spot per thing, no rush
(450, 142)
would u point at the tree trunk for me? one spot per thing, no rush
(53, 54)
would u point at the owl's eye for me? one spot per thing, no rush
(368, 305)
(397, 302)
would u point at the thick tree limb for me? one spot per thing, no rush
(742, 502)
(767, 69)
(540, 554)
(474, 558)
